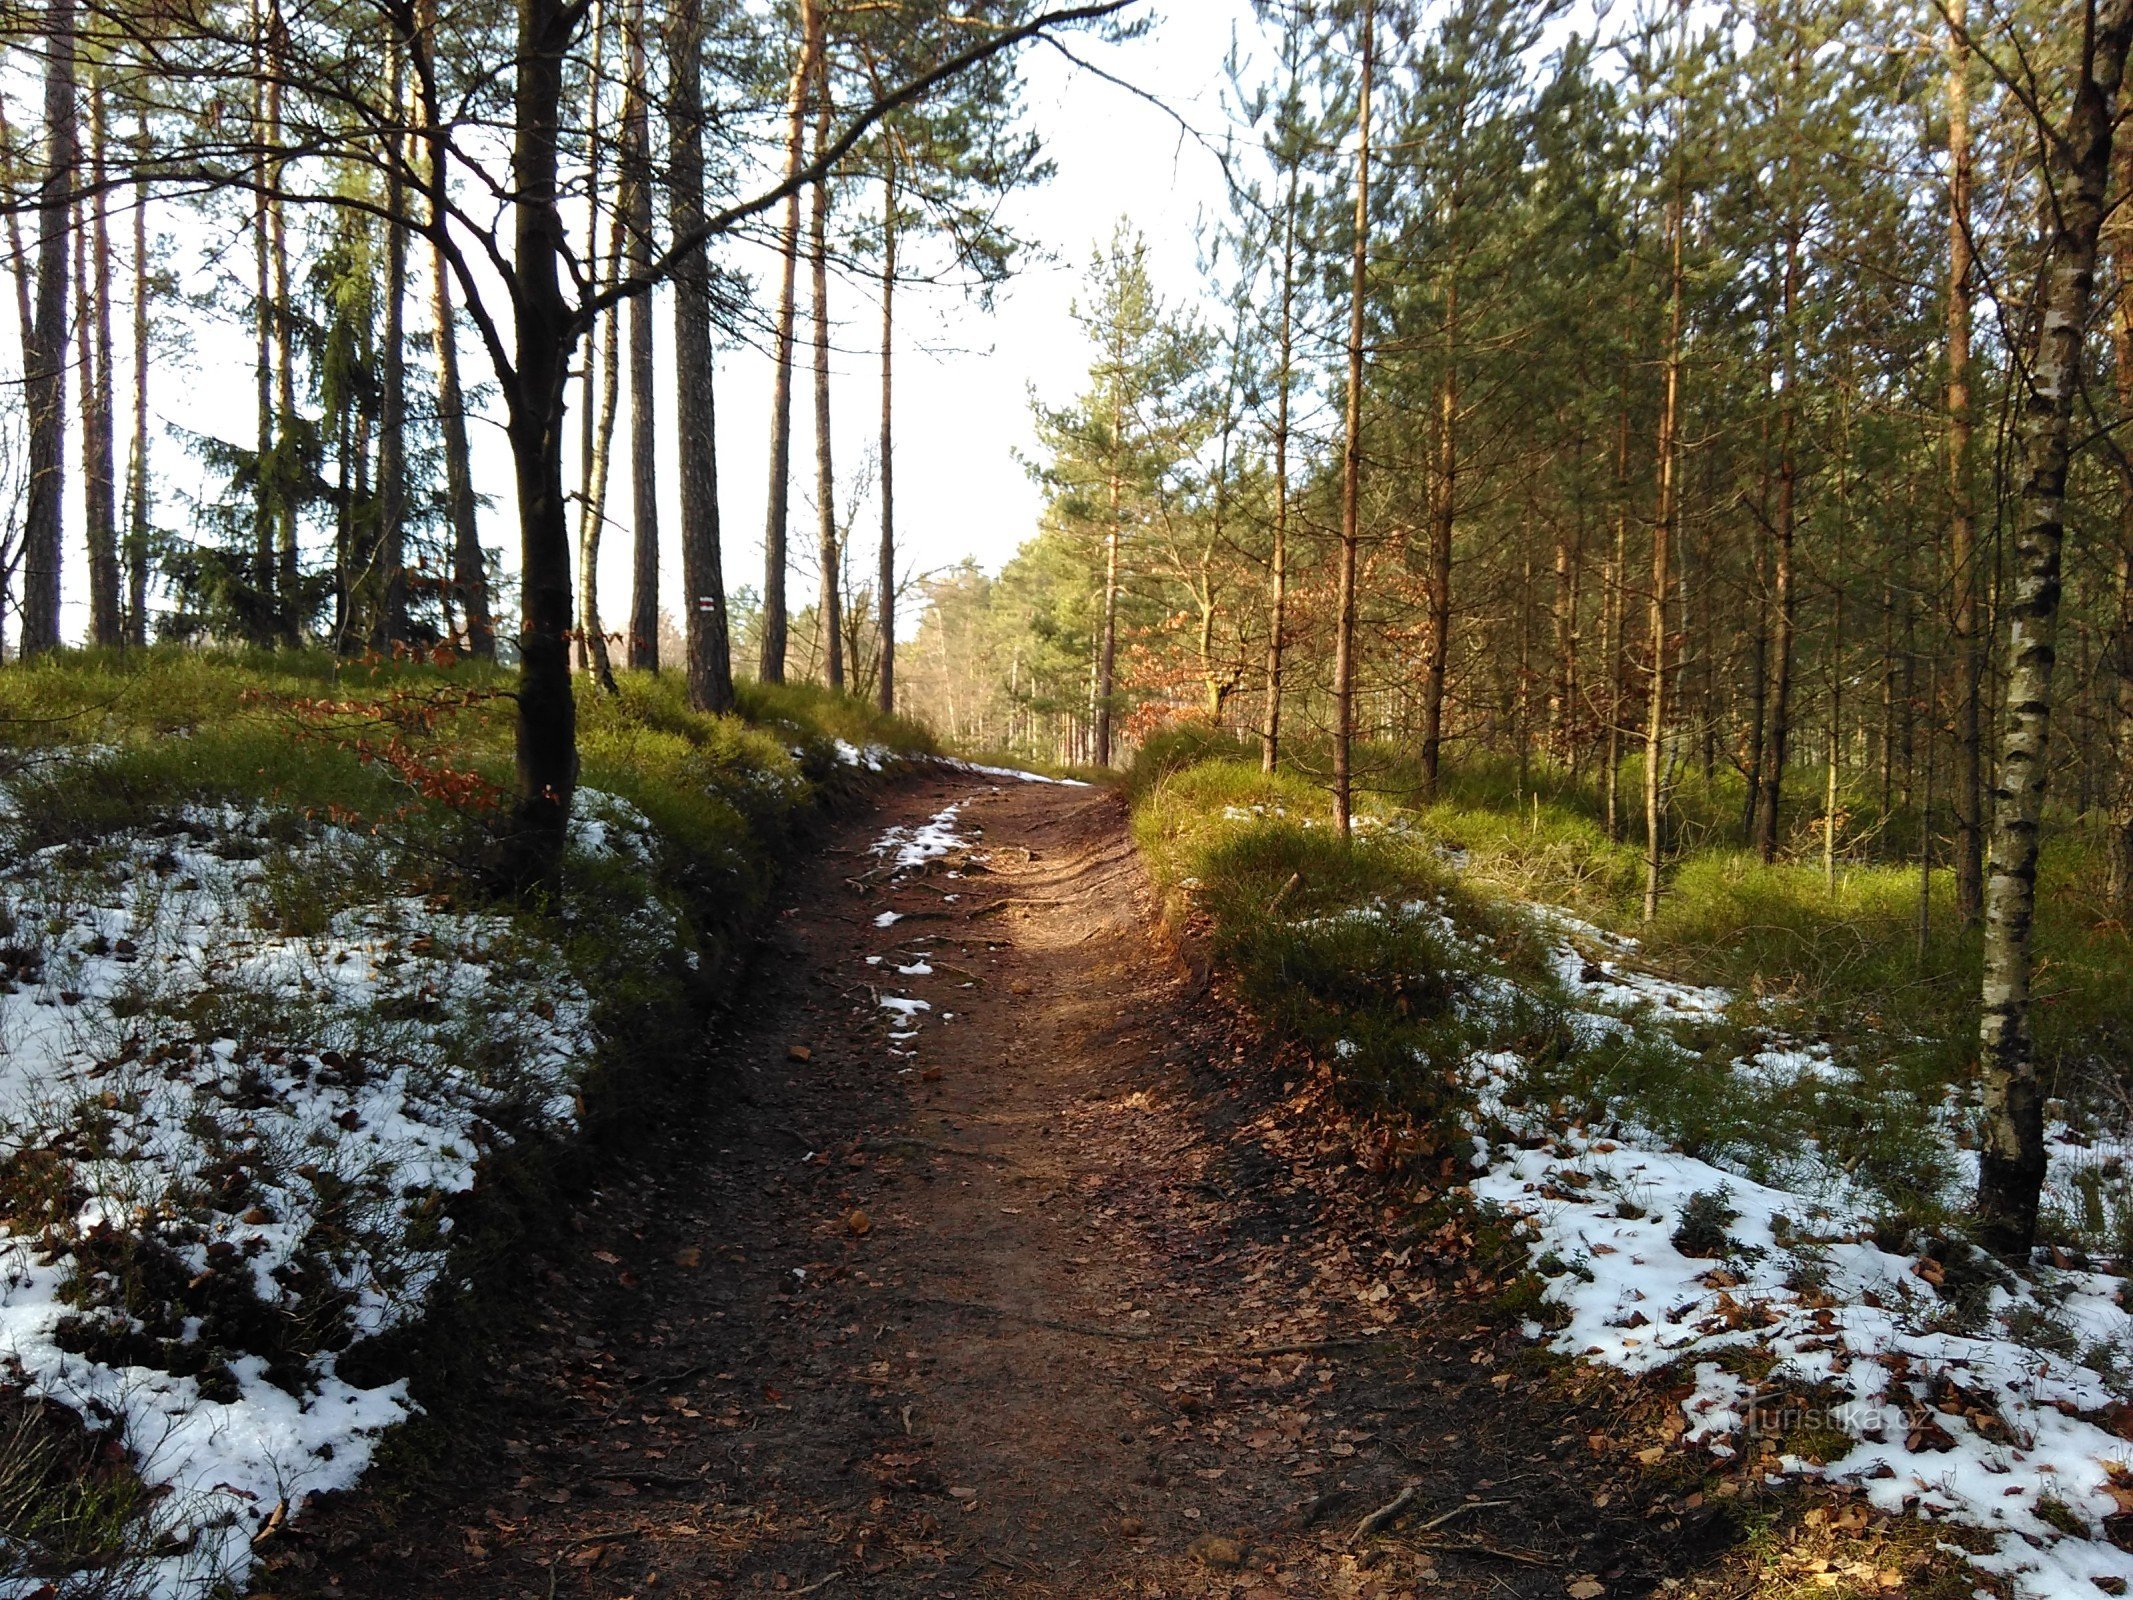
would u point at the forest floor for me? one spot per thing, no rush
(1025, 1265)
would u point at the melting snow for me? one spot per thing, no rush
(260, 1092)
(1954, 1408)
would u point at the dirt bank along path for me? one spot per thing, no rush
(1068, 1293)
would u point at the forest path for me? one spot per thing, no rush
(1111, 1324)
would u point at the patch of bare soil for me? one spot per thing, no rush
(1086, 1294)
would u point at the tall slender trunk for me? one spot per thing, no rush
(710, 664)
(644, 399)
(779, 502)
(1352, 456)
(1836, 736)
(1614, 646)
(592, 517)
(287, 573)
(2011, 1158)
(99, 421)
(547, 765)
(1102, 680)
(470, 573)
(138, 503)
(1962, 522)
(1562, 690)
(1278, 574)
(1444, 513)
(392, 624)
(1662, 539)
(830, 608)
(269, 623)
(1777, 706)
(2118, 829)
(885, 577)
(589, 379)
(45, 366)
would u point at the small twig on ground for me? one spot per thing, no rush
(1384, 1514)
(821, 1583)
(1298, 1347)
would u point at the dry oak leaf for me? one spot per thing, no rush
(1585, 1589)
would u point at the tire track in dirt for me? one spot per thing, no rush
(1068, 1301)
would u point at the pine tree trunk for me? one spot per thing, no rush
(1352, 452)
(885, 577)
(138, 492)
(2012, 1158)
(1562, 691)
(547, 761)
(45, 353)
(1784, 607)
(710, 664)
(1444, 513)
(470, 573)
(288, 576)
(1102, 678)
(269, 622)
(1669, 453)
(392, 623)
(1614, 647)
(830, 612)
(2118, 826)
(1962, 522)
(644, 399)
(1278, 574)
(99, 420)
(592, 512)
(779, 501)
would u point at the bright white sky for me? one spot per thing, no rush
(964, 375)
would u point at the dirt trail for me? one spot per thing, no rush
(1113, 1322)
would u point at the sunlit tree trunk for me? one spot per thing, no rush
(1278, 565)
(1444, 514)
(779, 503)
(1777, 707)
(1614, 624)
(885, 576)
(2118, 831)
(138, 492)
(392, 625)
(1962, 522)
(547, 765)
(271, 620)
(99, 418)
(1352, 458)
(643, 644)
(470, 573)
(830, 607)
(592, 513)
(710, 664)
(1662, 540)
(2012, 1158)
(45, 347)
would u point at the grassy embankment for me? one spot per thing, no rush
(1618, 1120)
(282, 1080)
(1842, 966)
